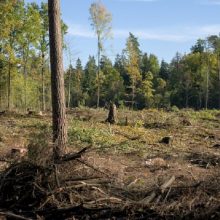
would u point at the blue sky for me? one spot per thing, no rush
(163, 27)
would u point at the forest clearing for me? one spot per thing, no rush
(127, 167)
(109, 134)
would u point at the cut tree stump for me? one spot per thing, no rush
(112, 115)
(166, 140)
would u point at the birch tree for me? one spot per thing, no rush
(101, 24)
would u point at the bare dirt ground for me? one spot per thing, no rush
(150, 165)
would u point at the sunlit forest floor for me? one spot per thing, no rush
(166, 161)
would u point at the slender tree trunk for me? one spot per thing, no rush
(219, 80)
(187, 98)
(133, 93)
(25, 59)
(200, 91)
(199, 101)
(69, 78)
(43, 83)
(9, 86)
(57, 79)
(25, 87)
(207, 86)
(98, 75)
(1, 95)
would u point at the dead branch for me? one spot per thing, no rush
(12, 215)
(73, 156)
(167, 184)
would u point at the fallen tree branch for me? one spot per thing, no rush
(92, 167)
(73, 156)
(167, 184)
(157, 194)
(12, 215)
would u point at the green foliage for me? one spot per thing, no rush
(174, 108)
(135, 79)
(24, 68)
(202, 114)
(81, 132)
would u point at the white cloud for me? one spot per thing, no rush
(209, 29)
(171, 34)
(151, 35)
(80, 31)
(211, 2)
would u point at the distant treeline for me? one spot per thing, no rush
(138, 79)
(135, 79)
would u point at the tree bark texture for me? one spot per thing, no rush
(43, 83)
(69, 88)
(9, 86)
(112, 115)
(57, 79)
(219, 80)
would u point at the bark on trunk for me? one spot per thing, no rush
(43, 83)
(219, 80)
(25, 60)
(57, 79)
(112, 115)
(25, 87)
(98, 75)
(9, 86)
(187, 98)
(133, 94)
(69, 87)
(207, 87)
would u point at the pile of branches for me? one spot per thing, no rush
(30, 191)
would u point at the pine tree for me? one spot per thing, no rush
(57, 79)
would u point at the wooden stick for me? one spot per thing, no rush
(12, 215)
(73, 156)
(167, 184)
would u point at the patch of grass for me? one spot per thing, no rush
(91, 133)
(203, 114)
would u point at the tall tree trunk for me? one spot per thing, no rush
(98, 75)
(187, 90)
(25, 87)
(219, 80)
(57, 79)
(25, 59)
(9, 86)
(133, 94)
(68, 101)
(43, 83)
(199, 101)
(1, 95)
(187, 98)
(207, 86)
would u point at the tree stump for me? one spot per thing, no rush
(166, 140)
(112, 115)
